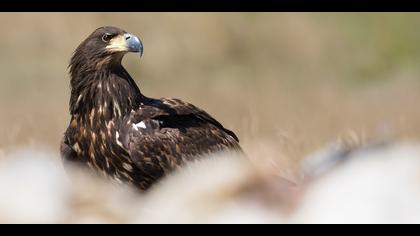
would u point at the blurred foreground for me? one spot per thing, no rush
(374, 184)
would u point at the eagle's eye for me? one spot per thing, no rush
(107, 37)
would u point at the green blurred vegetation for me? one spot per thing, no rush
(306, 78)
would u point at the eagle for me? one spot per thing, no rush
(118, 132)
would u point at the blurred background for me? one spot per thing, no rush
(286, 83)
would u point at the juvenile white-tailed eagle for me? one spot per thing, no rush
(121, 133)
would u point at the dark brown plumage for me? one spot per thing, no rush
(123, 134)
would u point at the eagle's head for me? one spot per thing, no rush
(105, 47)
(96, 65)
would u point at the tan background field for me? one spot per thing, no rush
(286, 83)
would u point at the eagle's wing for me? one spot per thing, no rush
(168, 132)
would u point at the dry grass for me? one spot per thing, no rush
(286, 83)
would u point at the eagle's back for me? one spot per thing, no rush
(167, 133)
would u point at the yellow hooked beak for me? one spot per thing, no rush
(125, 43)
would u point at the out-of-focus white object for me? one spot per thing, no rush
(223, 188)
(376, 184)
(32, 188)
(35, 188)
(373, 184)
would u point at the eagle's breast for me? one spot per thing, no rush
(101, 146)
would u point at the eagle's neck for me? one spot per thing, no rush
(103, 94)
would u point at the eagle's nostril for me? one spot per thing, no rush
(127, 37)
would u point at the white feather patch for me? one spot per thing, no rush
(79, 99)
(141, 125)
(117, 135)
